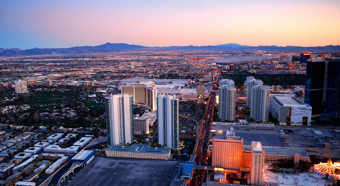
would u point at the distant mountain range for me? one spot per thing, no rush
(118, 47)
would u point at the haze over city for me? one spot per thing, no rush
(58, 24)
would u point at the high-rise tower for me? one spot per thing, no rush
(259, 110)
(119, 119)
(168, 121)
(227, 100)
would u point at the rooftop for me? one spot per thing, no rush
(150, 115)
(82, 155)
(281, 151)
(139, 148)
(289, 101)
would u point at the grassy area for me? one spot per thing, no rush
(94, 105)
(46, 101)
(52, 97)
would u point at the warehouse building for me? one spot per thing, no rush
(138, 151)
(55, 165)
(58, 149)
(33, 150)
(84, 156)
(42, 144)
(25, 183)
(54, 137)
(288, 110)
(6, 166)
(83, 141)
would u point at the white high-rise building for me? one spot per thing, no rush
(119, 119)
(21, 87)
(260, 97)
(249, 83)
(227, 102)
(168, 121)
(256, 167)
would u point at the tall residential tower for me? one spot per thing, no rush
(249, 83)
(260, 98)
(119, 119)
(168, 121)
(227, 100)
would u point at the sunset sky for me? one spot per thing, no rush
(66, 23)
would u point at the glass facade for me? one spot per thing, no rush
(322, 87)
(333, 86)
(314, 86)
(108, 124)
(176, 127)
(131, 119)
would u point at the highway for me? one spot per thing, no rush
(203, 140)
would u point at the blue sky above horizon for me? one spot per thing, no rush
(68, 23)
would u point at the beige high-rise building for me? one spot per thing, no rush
(228, 152)
(257, 161)
(142, 93)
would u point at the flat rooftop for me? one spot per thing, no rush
(128, 172)
(280, 151)
(289, 101)
(150, 115)
(139, 148)
(265, 139)
(82, 155)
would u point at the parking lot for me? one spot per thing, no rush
(126, 172)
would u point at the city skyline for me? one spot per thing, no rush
(62, 24)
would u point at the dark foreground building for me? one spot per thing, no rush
(322, 87)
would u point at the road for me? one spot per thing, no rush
(203, 139)
(192, 157)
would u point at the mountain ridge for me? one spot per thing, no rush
(119, 47)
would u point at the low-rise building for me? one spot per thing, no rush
(138, 151)
(83, 141)
(287, 109)
(42, 144)
(25, 183)
(6, 166)
(22, 155)
(55, 137)
(58, 149)
(33, 150)
(141, 126)
(55, 165)
(84, 156)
